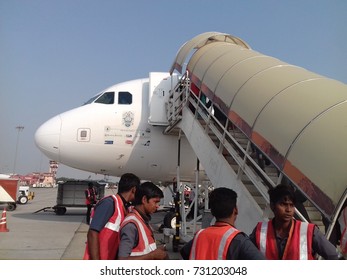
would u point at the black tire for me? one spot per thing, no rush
(11, 206)
(60, 210)
(23, 199)
(170, 220)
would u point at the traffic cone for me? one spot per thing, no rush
(3, 227)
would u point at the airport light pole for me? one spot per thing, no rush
(19, 129)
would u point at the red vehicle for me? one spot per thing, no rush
(8, 193)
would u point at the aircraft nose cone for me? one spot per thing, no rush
(47, 137)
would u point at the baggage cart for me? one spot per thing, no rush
(72, 194)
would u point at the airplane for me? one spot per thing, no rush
(283, 111)
(120, 130)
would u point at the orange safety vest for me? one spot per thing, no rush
(299, 243)
(91, 196)
(109, 235)
(212, 243)
(146, 242)
(343, 226)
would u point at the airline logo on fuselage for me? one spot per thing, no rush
(128, 119)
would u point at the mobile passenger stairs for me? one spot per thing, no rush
(229, 159)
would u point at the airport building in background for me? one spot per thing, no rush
(39, 179)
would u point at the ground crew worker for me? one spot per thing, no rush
(90, 194)
(136, 236)
(106, 218)
(284, 238)
(221, 241)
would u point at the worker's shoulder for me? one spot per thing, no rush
(241, 236)
(240, 239)
(105, 202)
(108, 198)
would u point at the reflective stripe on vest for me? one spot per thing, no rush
(115, 226)
(303, 254)
(223, 243)
(90, 194)
(146, 242)
(263, 238)
(300, 231)
(193, 249)
(109, 235)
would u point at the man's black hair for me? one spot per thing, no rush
(281, 191)
(128, 181)
(149, 190)
(222, 202)
(90, 184)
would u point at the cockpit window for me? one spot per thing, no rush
(92, 99)
(125, 97)
(106, 98)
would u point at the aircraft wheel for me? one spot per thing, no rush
(23, 199)
(170, 220)
(60, 210)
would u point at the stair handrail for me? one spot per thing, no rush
(182, 96)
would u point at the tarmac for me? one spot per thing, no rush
(43, 235)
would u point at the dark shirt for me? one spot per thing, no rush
(320, 245)
(103, 211)
(240, 248)
(129, 238)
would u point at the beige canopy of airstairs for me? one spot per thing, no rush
(296, 118)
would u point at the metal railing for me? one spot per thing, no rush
(227, 138)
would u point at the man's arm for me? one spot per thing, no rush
(158, 254)
(93, 244)
(102, 213)
(322, 246)
(242, 248)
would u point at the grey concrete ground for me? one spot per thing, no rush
(47, 236)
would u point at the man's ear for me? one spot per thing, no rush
(236, 211)
(144, 199)
(133, 190)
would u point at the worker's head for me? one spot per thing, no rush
(148, 195)
(128, 183)
(90, 185)
(280, 192)
(282, 201)
(222, 202)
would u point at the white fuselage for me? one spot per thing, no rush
(114, 137)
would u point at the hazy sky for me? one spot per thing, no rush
(55, 55)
